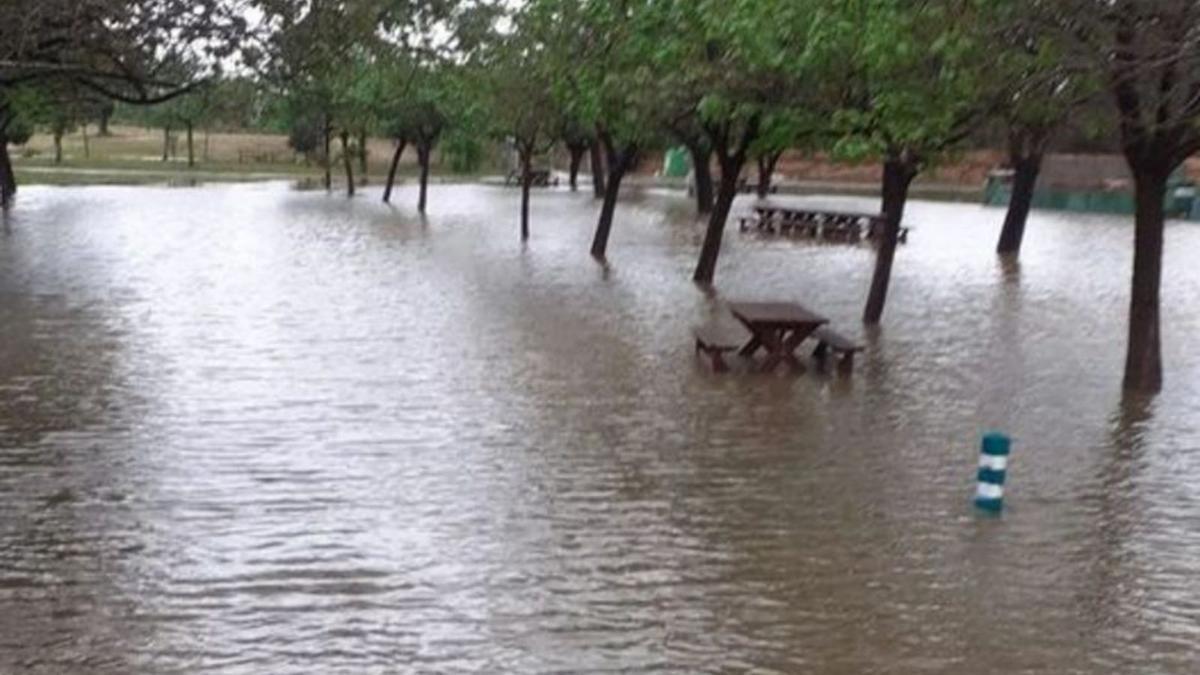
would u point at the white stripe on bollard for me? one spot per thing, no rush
(993, 470)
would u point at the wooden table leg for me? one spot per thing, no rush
(751, 347)
(777, 353)
(782, 345)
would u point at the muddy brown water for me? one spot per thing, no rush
(246, 429)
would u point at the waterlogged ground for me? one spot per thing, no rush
(248, 429)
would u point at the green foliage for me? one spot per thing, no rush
(18, 132)
(912, 75)
(463, 151)
(306, 134)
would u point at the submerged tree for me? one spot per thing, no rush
(912, 93)
(598, 54)
(1039, 90)
(315, 56)
(745, 59)
(1149, 57)
(514, 76)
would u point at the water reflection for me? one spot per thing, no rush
(249, 428)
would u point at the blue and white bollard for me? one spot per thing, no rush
(993, 466)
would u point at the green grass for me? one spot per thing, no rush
(133, 156)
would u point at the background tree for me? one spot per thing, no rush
(601, 76)
(786, 129)
(424, 113)
(315, 56)
(104, 116)
(124, 50)
(578, 139)
(744, 59)
(1039, 92)
(515, 76)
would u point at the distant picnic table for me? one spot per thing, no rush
(817, 223)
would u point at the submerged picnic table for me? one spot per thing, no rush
(778, 327)
(817, 223)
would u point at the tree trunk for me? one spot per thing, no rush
(596, 151)
(207, 134)
(766, 172)
(87, 145)
(618, 162)
(8, 180)
(391, 178)
(347, 163)
(526, 185)
(328, 142)
(58, 153)
(577, 151)
(898, 174)
(702, 176)
(706, 268)
(1143, 361)
(1026, 148)
(191, 144)
(105, 116)
(424, 151)
(362, 155)
(166, 143)
(1025, 175)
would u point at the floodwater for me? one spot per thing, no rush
(247, 429)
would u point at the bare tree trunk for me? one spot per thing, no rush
(766, 172)
(1143, 361)
(731, 156)
(207, 134)
(105, 116)
(577, 151)
(87, 146)
(328, 142)
(618, 162)
(362, 155)
(597, 153)
(706, 267)
(702, 176)
(58, 151)
(898, 174)
(8, 179)
(1025, 176)
(347, 163)
(526, 154)
(166, 143)
(191, 144)
(1026, 148)
(424, 151)
(391, 178)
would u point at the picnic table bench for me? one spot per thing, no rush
(714, 342)
(829, 340)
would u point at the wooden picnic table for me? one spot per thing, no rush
(778, 327)
(818, 223)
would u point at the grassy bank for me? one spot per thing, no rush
(134, 156)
